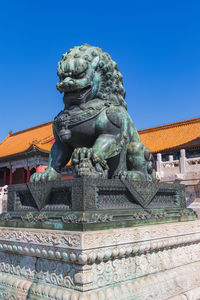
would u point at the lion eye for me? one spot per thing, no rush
(80, 75)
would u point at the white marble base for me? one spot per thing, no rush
(147, 262)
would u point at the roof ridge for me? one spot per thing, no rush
(170, 125)
(47, 139)
(31, 128)
(4, 139)
(43, 140)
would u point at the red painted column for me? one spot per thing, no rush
(4, 176)
(28, 174)
(37, 168)
(11, 176)
(23, 176)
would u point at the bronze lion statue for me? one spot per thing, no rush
(95, 122)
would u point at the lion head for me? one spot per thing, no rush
(87, 73)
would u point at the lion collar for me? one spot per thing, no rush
(66, 118)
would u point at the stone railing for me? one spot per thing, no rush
(184, 170)
(182, 166)
(193, 164)
(3, 198)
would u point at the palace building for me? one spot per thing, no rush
(176, 148)
(25, 152)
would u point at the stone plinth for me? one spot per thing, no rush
(90, 204)
(148, 262)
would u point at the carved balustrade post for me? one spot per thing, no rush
(159, 163)
(182, 161)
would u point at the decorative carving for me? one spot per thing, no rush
(8, 296)
(28, 217)
(70, 219)
(42, 238)
(67, 118)
(173, 164)
(41, 193)
(170, 283)
(42, 217)
(54, 272)
(96, 218)
(37, 218)
(103, 261)
(5, 217)
(142, 192)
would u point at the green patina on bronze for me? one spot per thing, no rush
(96, 220)
(94, 204)
(95, 122)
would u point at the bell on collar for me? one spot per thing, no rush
(65, 134)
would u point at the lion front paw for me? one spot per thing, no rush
(48, 175)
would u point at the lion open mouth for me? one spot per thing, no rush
(75, 97)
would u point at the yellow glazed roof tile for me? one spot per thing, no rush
(178, 135)
(19, 142)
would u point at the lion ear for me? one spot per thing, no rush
(95, 62)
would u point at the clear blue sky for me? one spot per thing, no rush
(155, 43)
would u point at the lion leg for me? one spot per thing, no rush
(59, 156)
